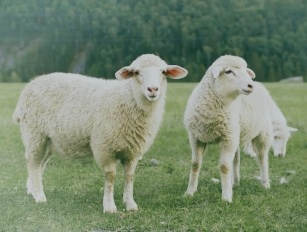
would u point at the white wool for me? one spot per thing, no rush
(281, 131)
(224, 108)
(112, 120)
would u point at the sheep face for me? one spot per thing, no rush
(233, 80)
(279, 145)
(280, 142)
(151, 79)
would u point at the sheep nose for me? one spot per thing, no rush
(152, 90)
(250, 86)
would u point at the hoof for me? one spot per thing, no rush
(39, 198)
(188, 194)
(131, 206)
(109, 208)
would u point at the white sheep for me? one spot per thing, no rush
(281, 131)
(109, 119)
(226, 108)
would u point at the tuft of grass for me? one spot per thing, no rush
(74, 187)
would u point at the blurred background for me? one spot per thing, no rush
(98, 37)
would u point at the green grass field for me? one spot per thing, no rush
(74, 187)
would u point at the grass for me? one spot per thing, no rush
(74, 187)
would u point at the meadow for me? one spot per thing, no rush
(74, 187)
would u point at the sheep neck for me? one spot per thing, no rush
(221, 98)
(143, 119)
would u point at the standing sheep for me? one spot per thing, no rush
(281, 131)
(109, 119)
(218, 113)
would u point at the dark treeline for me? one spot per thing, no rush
(96, 37)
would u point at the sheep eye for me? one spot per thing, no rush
(229, 71)
(164, 72)
(136, 73)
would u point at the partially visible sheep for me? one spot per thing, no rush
(217, 113)
(281, 131)
(109, 119)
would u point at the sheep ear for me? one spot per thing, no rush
(176, 72)
(124, 73)
(291, 129)
(216, 71)
(251, 73)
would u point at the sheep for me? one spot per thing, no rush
(281, 131)
(111, 120)
(224, 109)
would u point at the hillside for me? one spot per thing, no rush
(98, 37)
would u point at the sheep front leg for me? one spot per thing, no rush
(198, 150)
(264, 169)
(263, 163)
(226, 169)
(262, 150)
(108, 197)
(128, 189)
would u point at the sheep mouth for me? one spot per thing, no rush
(246, 91)
(152, 97)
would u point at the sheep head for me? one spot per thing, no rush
(150, 71)
(233, 76)
(280, 141)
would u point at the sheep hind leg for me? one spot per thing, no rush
(128, 189)
(198, 149)
(262, 151)
(46, 158)
(36, 160)
(236, 168)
